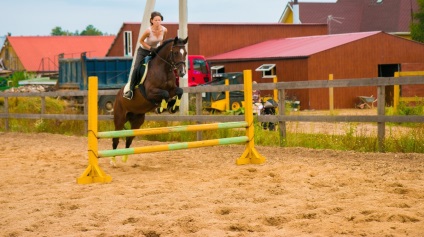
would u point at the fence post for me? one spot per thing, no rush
(43, 104)
(282, 111)
(6, 111)
(381, 126)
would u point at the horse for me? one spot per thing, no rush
(166, 63)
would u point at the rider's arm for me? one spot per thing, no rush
(143, 37)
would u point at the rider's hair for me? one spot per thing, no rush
(153, 15)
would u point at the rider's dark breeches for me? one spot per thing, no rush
(136, 75)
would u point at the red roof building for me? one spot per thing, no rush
(346, 56)
(299, 47)
(40, 53)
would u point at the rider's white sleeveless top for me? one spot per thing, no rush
(152, 40)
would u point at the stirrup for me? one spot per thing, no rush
(128, 95)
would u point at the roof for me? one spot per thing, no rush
(35, 52)
(345, 16)
(297, 47)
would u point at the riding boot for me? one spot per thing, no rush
(135, 77)
(128, 95)
(128, 92)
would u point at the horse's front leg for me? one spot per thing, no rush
(174, 104)
(158, 95)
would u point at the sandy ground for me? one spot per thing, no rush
(201, 192)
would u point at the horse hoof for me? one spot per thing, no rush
(159, 110)
(124, 158)
(173, 110)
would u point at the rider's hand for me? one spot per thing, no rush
(152, 50)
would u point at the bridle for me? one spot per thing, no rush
(170, 60)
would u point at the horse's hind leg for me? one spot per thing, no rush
(136, 120)
(119, 120)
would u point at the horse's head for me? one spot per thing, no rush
(179, 55)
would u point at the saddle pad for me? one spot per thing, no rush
(146, 66)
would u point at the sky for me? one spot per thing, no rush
(38, 18)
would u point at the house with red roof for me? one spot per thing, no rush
(346, 56)
(40, 54)
(347, 16)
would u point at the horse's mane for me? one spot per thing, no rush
(162, 46)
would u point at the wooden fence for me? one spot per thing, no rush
(381, 119)
(397, 97)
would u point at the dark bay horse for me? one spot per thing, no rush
(167, 62)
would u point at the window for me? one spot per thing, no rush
(200, 65)
(268, 70)
(128, 43)
(217, 71)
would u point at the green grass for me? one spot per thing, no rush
(32, 105)
(350, 140)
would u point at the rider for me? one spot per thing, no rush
(152, 37)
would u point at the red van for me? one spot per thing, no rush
(198, 70)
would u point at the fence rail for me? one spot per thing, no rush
(379, 82)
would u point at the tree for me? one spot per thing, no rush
(91, 30)
(417, 26)
(58, 31)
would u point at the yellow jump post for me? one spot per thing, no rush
(250, 155)
(93, 173)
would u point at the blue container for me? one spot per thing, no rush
(112, 72)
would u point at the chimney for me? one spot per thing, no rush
(296, 18)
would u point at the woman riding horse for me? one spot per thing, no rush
(167, 62)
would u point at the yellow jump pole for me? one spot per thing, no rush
(396, 94)
(227, 96)
(93, 173)
(250, 154)
(275, 91)
(331, 94)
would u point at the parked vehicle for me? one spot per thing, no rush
(216, 101)
(269, 108)
(113, 73)
(198, 70)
